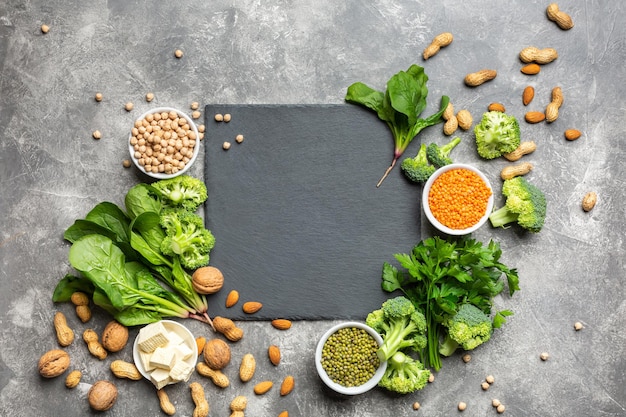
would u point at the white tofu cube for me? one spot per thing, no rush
(152, 336)
(175, 339)
(163, 358)
(183, 352)
(145, 360)
(181, 371)
(160, 378)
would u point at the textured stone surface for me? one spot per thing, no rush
(238, 51)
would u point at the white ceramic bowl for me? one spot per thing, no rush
(180, 330)
(338, 387)
(431, 217)
(196, 149)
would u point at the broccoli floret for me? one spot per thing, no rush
(468, 328)
(186, 237)
(418, 169)
(440, 155)
(183, 191)
(404, 374)
(496, 134)
(525, 204)
(400, 325)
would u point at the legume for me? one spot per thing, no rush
(458, 198)
(163, 142)
(349, 357)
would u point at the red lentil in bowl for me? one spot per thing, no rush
(457, 199)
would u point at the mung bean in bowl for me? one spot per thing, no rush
(164, 142)
(346, 358)
(457, 199)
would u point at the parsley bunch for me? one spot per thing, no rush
(439, 276)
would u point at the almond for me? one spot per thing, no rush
(531, 69)
(281, 324)
(496, 107)
(200, 342)
(535, 117)
(287, 385)
(232, 298)
(572, 134)
(528, 95)
(263, 387)
(273, 352)
(251, 307)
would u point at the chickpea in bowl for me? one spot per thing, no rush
(164, 142)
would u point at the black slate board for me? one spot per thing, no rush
(299, 223)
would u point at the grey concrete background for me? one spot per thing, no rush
(245, 51)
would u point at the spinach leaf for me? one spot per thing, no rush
(400, 107)
(68, 285)
(112, 218)
(98, 259)
(140, 199)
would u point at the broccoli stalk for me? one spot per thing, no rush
(440, 155)
(186, 237)
(525, 204)
(183, 191)
(468, 328)
(404, 374)
(418, 169)
(496, 134)
(400, 325)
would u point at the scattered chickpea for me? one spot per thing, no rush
(495, 402)
(467, 357)
(126, 163)
(128, 106)
(239, 138)
(201, 128)
(178, 53)
(45, 28)
(149, 97)
(431, 378)
(500, 409)
(578, 326)
(201, 135)
(485, 386)
(544, 356)
(490, 379)
(462, 406)
(96, 134)
(195, 105)
(226, 146)
(416, 405)
(219, 117)
(227, 118)
(195, 114)
(98, 97)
